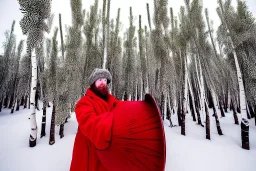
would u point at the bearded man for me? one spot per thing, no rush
(94, 123)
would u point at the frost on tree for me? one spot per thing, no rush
(6, 61)
(238, 31)
(33, 25)
(63, 105)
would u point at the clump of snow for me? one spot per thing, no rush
(184, 153)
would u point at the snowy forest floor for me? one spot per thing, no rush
(184, 153)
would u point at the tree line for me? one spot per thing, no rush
(180, 60)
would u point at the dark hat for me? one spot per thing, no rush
(98, 73)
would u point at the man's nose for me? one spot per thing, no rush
(103, 83)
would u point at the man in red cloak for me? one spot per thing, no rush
(94, 123)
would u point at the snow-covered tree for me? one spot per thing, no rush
(9, 46)
(225, 12)
(129, 60)
(52, 84)
(16, 76)
(33, 25)
(74, 53)
(92, 54)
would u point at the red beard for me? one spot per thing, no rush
(101, 91)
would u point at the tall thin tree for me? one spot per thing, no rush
(33, 25)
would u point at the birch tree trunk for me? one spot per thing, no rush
(149, 19)
(13, 104)
(18, 105)
(210, 32)
(52, 129)
(6, 101)
(61, 38)
(61, 131)
(201, 85)
(184, 98)
(192, 104)
(104, 33)
(212, 92)
(16, 77)
(242, 98)
(105, 55)
(255, 114)
(43, 93)
(234, 111)
(22, 101)
(215, 112)
(247, 110)
(142, 59)
(1, 104)
(43, 119)
(207, 128)
(241, 87)
(169, 111)
(229, 100)
(53, 84)
(25, 101)
(221, 108)
(179, 111)
(33, 134)
(204, 104)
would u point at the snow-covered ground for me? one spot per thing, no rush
(184, 153)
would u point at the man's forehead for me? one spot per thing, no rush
(102, 79)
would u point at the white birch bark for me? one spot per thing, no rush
(203, 100)
(188, 109)
(245, 144)
(192, 97)
(170, 109)
(105, 54)
(214, 98)
(141, 90)
(136, 92)
(202, 91)
(122, 98)
(185, 87)
(107, 36)
(105, 44)
(176, 115)
(130, 97)
(33, 134)
(229, 101)
(165, 104)
(200, 81)
(248, 110)
(241, 86)
(147, 87)
(215, 102)
(169, 104)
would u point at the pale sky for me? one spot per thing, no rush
(9, 11)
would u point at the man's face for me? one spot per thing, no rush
(101, 82)
(101, 86)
